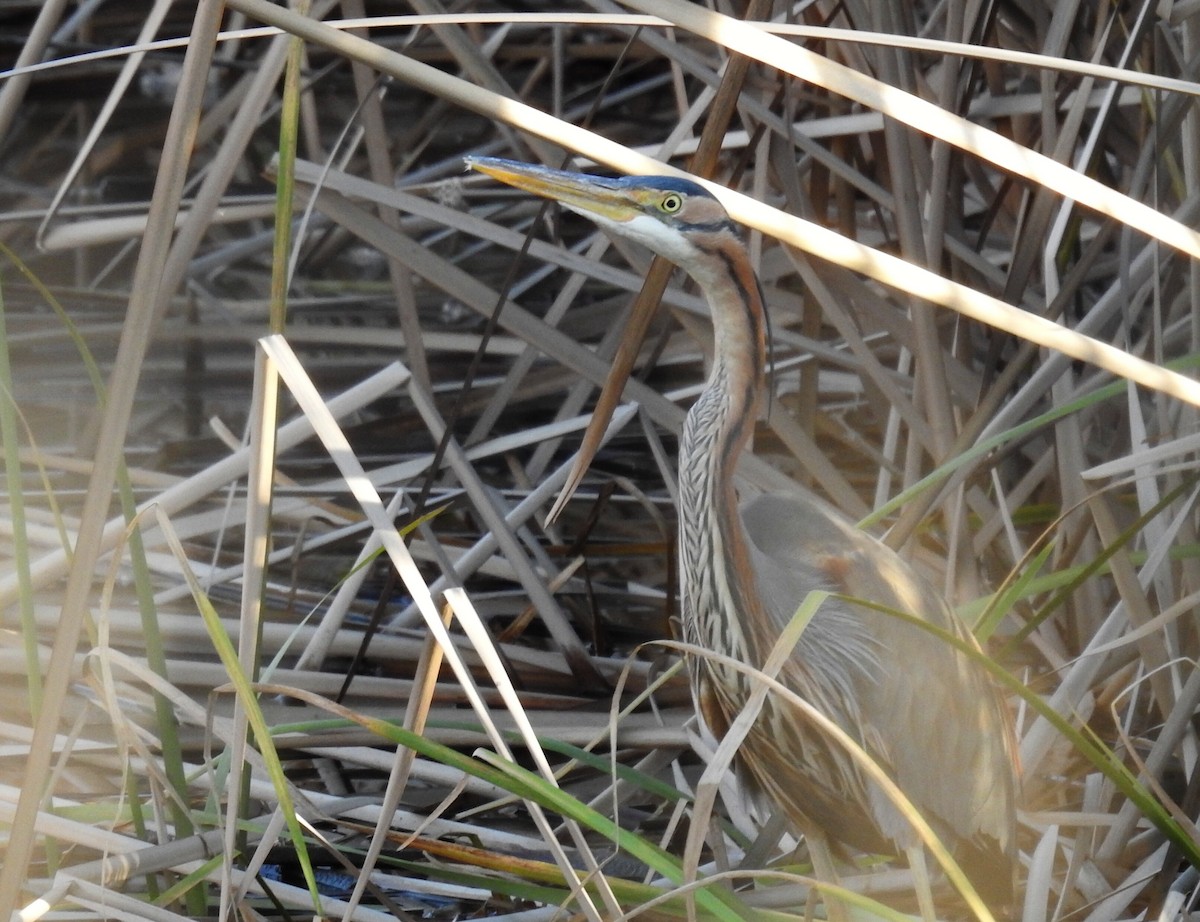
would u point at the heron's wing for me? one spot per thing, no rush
(927, 713)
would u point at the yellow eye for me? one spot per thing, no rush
(671, 203)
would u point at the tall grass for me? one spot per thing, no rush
(974, 230)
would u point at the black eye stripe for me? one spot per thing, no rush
(710, 227)
(658, 209)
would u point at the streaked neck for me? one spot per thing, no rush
(715, 575)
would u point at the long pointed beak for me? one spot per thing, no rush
(592, 196)
(589, 195)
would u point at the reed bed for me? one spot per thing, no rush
(288, 395)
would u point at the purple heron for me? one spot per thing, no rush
(927, 713)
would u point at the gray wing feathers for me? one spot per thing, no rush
(930, 714)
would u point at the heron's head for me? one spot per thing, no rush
(676, 218)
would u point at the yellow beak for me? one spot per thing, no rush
(581, 192)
